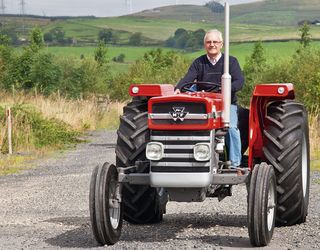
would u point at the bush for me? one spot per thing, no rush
(120, 58)
(45, 74)
(32, 131)
(304, 75)
(34, 69)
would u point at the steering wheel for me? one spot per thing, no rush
(201, 85)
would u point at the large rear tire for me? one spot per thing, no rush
(105, 205)
(286, 147)
(261, 205)
(142, 203)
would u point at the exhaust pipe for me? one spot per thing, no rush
(226, 77)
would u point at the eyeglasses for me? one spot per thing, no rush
(213, 42)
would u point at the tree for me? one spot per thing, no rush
(215, 6)
(105, 35)
(254, 67)
(4, 40)
(58, 34)
(48, 37)
(135, 39)
(36, 39)
(180, 32)
(305, 36)
(100, 54)
(199, 35)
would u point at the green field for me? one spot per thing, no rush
(131, 53)
(159, 30)
(274, 51)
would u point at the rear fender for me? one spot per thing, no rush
(263, 94)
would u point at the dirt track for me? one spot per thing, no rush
(47, 208)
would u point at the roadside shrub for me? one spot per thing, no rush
(45, 74)
(32, 131)
(83, 78)
(302, 69)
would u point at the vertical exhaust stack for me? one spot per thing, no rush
(226, 77)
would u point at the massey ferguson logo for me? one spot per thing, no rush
(178, 113)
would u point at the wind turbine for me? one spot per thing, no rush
(22, 13)
(22, 8)
(2, 7)
(129, 6)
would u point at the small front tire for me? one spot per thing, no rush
(106, 213)
(262, 205)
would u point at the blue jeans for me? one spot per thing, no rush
(233, 140)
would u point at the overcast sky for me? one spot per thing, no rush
(100, 8)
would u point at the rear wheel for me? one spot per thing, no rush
(286, 147)
(105, 205)
(261, 205)
(142, 203)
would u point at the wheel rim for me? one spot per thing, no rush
(271, 205)
(114, 205)
(304, 166)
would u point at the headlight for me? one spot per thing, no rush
(154, 151)
(202, 151)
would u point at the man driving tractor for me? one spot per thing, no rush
(209, 68)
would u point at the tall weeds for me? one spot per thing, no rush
(90, 114)
(314, 135)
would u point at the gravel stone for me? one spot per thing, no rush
(47, 208)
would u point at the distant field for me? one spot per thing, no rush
(131, 53)
(161, 29)
(274, 51)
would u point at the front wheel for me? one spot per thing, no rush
(262, 205)
(105, 204)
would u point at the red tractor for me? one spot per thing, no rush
(171, 147)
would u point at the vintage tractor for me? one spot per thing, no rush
(171, 147)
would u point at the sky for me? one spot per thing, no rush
(99, 8)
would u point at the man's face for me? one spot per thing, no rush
(213, 44)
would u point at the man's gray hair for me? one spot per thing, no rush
(213, 31)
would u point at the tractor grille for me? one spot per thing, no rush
(178, 151)
(195, 113)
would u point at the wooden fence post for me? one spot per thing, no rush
(9, 123)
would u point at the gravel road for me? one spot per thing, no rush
(47, 208)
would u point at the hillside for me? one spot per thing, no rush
(266, 20)
(276, 12)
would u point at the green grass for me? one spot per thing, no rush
(131, 53)
(10, 164)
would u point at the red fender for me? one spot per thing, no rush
(263, 94)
